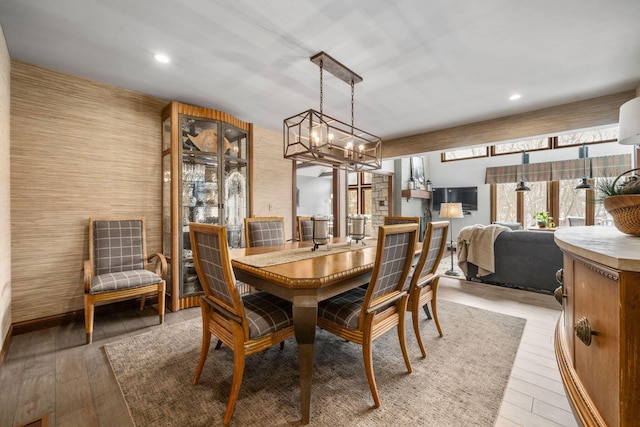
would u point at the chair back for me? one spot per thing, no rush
(305, 228)
(392, 220)
(266, 231)
(433, 248)
(575, 221)
(117, 244)
(211, 259)
(396, 247)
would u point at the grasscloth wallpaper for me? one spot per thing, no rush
(79, 149)
(5, 219)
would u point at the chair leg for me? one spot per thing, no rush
(142, 301)
(416, 328)
(218, 345)
(401, 333)
(89, 309)
(204, 349)
(426, 311)
(367, 355)
(161, 300)
(434, 308)
(238, 372)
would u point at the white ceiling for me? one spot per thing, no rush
(426, 64)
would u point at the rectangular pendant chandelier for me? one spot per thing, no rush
(314, 137)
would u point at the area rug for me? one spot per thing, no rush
(460, 383)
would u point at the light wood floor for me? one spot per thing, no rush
(52, 371)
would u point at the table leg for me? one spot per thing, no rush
(305, 313)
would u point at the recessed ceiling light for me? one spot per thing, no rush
(161, 57)
(515, 96)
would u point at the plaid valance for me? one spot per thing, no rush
(560, 170)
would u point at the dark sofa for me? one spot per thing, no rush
(523, 259)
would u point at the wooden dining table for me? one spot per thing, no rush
(305, 278)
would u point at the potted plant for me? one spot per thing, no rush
(543, 219)
(621, 200)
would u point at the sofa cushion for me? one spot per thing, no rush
(512, 225)
(524, 259)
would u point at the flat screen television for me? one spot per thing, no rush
(468, 196)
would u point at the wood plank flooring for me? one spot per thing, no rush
(52, 372)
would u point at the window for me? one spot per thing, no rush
(593, 136)
(519, 146)
(359, 197)
(535, 200)
(506, 203)
(464, 153)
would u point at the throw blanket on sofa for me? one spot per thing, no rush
(475, 245)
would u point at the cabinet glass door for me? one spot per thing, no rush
(236, 185)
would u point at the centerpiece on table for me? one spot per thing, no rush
(622, 201)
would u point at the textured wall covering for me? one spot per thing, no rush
(5, 197)
(272, 178)
(78, 149)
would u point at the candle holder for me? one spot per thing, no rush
(357, 224)
(320, 232)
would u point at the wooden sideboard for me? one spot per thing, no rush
(597, 340)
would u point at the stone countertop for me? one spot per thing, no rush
(604, 245)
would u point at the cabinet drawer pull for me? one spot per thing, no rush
(559, 294)
(584, 331)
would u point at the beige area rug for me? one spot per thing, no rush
(460, 383)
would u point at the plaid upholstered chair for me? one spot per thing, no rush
(247, 323)
(362, 315)
(392, 220)
(265, 231)
(305, 228)
(116, 268)
(423, 283)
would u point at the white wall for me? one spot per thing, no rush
(314, 195)
(471, 172)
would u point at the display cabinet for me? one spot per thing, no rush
(206, 179)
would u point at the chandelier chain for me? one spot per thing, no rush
(352, 103)
(321, 94)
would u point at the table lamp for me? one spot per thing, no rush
(451, 210)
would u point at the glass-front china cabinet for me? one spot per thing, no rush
(205, 162)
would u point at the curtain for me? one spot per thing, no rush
(560, 170)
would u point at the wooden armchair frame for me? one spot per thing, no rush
(247, 234)
(380, 312)
(423, 287)
(223, 313)
(300, 220)
(157, 260)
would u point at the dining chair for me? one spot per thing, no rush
(117, 266)
(247, 323)
(264, 231)
(362, 315)
(391, 220)
(423, 283)
(305, 228)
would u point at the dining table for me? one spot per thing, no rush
(297, 272)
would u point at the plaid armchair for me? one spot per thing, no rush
(116, 268)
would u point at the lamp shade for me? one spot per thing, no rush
(451, 210)
(629, 123)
